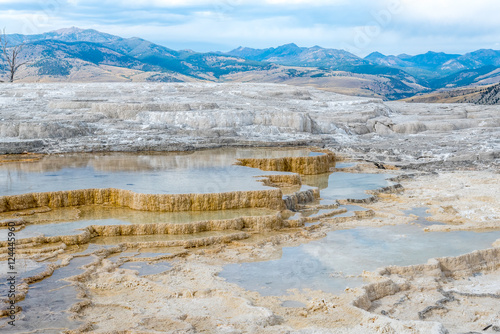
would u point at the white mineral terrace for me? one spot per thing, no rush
(246, 208)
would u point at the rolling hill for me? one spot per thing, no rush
(292, 55)
(75, 54)
(489, 95)
(434, 66)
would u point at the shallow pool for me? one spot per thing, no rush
(208, 171)
(328, 264)
(45, 308)
(53, 223)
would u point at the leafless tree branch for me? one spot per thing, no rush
(11, 55)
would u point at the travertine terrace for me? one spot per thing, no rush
(69, 117)
(119, 260)
(147, 202)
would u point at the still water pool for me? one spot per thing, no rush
(335, 262)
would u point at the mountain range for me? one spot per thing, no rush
(74, 54)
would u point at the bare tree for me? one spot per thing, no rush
(11, 55)
(1, 43)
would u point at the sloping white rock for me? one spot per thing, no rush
(164, 116)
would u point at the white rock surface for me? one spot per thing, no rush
(156, 116)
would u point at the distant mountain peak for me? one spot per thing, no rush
(70, 30)
(434, 53)
(75, 34)
(292, 55)
(404, 56)
(375, 55)
(242, 48)
(289, 45)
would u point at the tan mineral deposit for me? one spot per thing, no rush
(333, 180)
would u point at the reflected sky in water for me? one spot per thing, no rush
(326, 264)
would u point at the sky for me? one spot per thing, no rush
(360, 27)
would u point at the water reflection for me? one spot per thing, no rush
(45, 308)
(334, 262)
(208, 171)
(56, 222)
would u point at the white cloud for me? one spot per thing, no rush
(451, 11)
(17, 1)
(306, 2)
(418, 26)
(194, 3)
(258, 33)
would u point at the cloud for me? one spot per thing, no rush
(192, 3)
(306, 2)
(457, 13)
(16, 1)
(362, 26)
